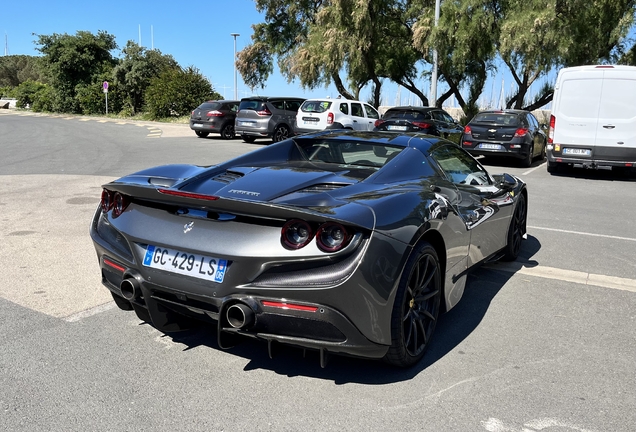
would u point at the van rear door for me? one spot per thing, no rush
(578, 95)
(616, 128)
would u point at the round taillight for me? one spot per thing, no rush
(107, 200)
(296, 233)
(332, 237)
(120, 202)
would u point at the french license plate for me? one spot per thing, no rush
(174, 261)
(197, 125)
(246, 123)
(310, 122)
(397, 128)
(578, 152)
(490, 146)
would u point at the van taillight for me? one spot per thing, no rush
(551, 130)
(330, 118)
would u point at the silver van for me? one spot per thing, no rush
(593, 121)
(266, 117)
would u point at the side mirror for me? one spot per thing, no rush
(507, 182)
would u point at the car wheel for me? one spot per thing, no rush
(201, 134)
(542, 157)
(416, 307)
(248, 138)
(527, 161)
(516, 230)
(228, 131)
(281, 133)
(553, 167)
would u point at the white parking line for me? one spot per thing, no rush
(579, 277)
(582, 233)
(533, 169)
(90, 312)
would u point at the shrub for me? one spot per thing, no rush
(176, 92)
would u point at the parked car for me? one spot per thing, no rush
(266, 117)
(429, 120)
(320, 114)
(508, 133)
(593, 120)
(339, 241)
(214, 117)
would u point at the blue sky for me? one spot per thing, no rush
(195, 34)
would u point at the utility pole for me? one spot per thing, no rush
(433, 95)
(234, 63)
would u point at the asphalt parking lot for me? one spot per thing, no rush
(543, 344)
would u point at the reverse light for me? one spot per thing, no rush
(330, 118)
(520, 132)
(120, 202)
(332, 237)
(106, 201)
(551, 130)
(296, 234)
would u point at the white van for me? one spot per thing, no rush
(593, 121)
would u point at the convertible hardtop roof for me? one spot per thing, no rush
(408, 139)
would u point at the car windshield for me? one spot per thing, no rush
(406, 115)
(343, 152)
(497, 119)
(315, 106)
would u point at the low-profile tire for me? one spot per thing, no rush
(527, 161)
(227, 132)
(201, 134)
(516, 230)
(122, 303)
(281, 133)
(416, 307)
(248, 138)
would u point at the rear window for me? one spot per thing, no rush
(315, 106)
(497, 119)
(406, 115)
(344, 152)
(255, 105)
(210, 106)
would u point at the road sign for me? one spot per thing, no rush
(105, 85)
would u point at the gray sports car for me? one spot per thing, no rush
(341, 241)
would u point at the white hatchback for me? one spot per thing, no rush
(319, 114)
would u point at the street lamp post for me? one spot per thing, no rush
(234, 62)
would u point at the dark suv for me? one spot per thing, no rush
(428, 120)
(266, 117)
(215, 117)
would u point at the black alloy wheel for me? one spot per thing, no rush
(416, 307)
(228, 131)
(516, 230)
(202, 134)
(527, 161)
(281, 133)
(248, 138)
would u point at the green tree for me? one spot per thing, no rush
(16, 69)
(176, 92)
(135, 71)
(75, 60)
(91, 97)
(26, 92)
